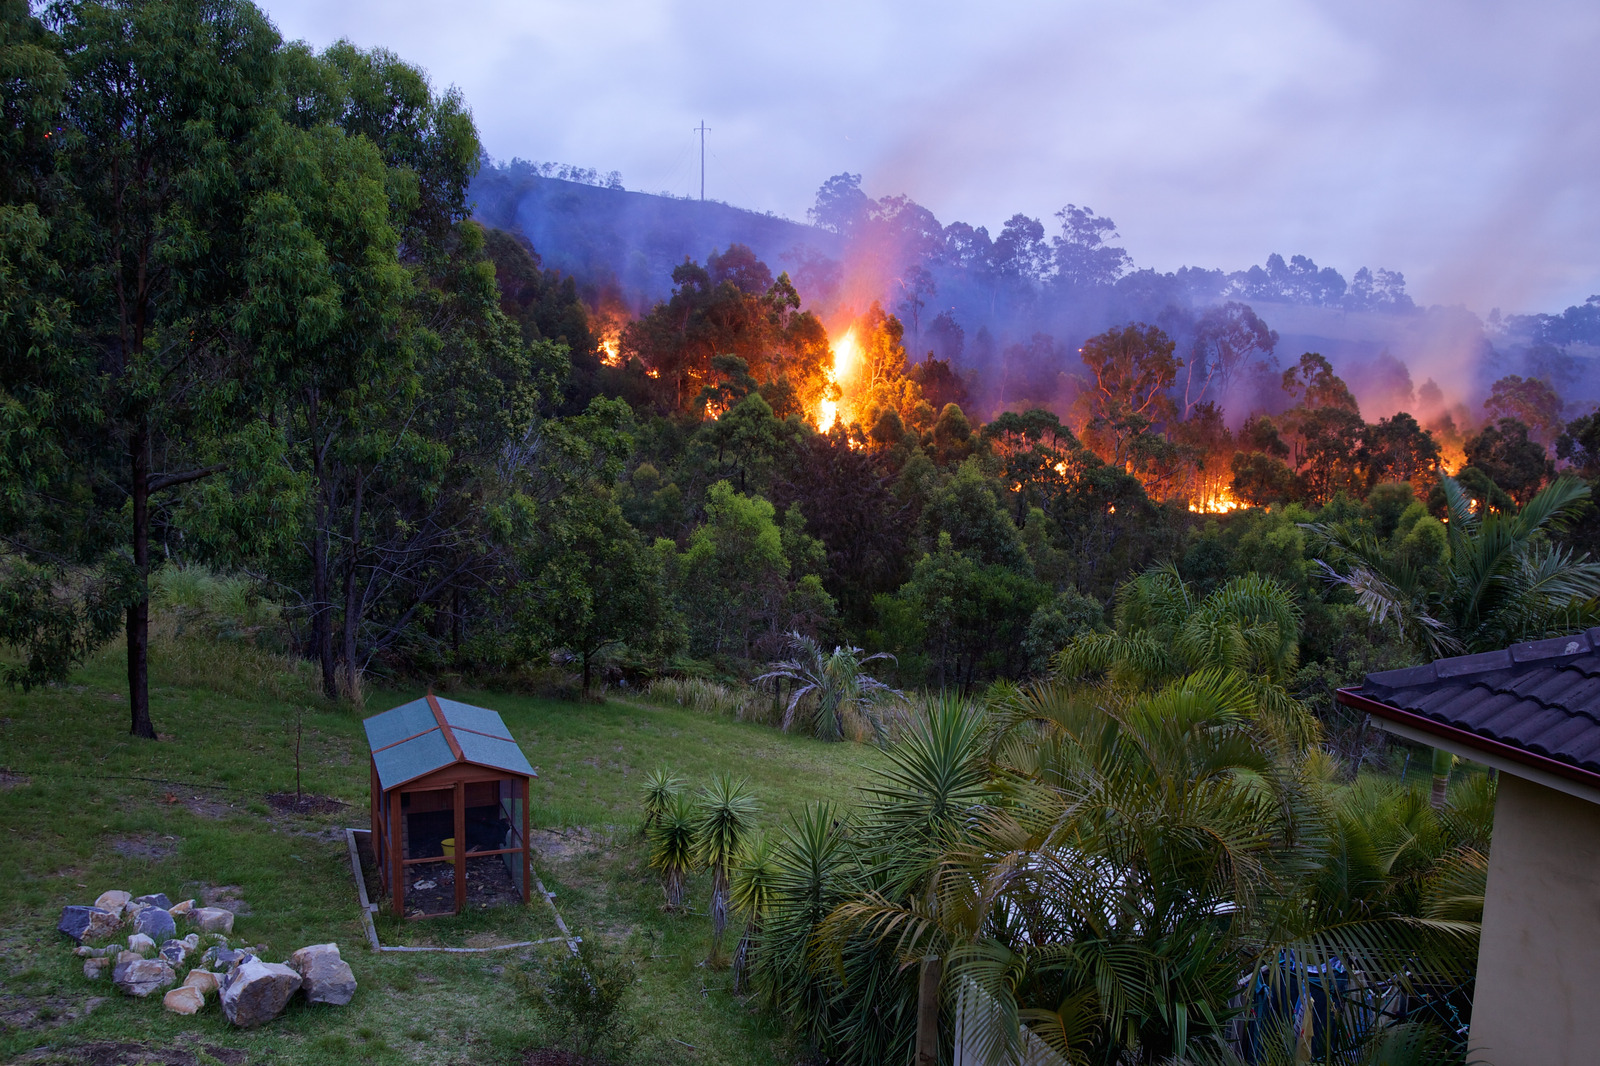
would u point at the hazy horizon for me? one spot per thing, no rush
(1452, 143)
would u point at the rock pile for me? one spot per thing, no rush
(251, 990)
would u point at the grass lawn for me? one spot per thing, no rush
(85, 808)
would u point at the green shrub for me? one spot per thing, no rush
(584, 1001)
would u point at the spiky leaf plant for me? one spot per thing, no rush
(833, 688)
(752, 888)
(659, 788)
(675, 847)
(725, 817)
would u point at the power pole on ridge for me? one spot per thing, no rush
(702, 130)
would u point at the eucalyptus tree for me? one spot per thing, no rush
(172, 254)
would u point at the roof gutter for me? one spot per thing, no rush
(1509, 758)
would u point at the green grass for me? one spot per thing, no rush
(101, 810)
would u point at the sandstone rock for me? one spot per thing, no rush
(327, 977)
(141, 945)
(155, 923)
(204, 980)
(192, 941)
(144, 976)
(212, 919)
(159, 899)
(257, 992)
(87, 923)
(95, 969)
(113, 901)
(178, 909)
(184, 1000)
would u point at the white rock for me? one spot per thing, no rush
(212, 919)
(184, 1000)
(257, 992)
(328, 978)
(141, 945)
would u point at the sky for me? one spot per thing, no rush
(1457, 141)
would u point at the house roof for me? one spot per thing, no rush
(1536, 705)
(417, 738)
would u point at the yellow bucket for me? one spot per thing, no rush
(449, 845)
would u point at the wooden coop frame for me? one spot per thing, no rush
(432, 755)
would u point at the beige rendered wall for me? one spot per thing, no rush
(1537, 1001)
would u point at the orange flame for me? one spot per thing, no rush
(846, 364)
(1216, 501)
(610, 351)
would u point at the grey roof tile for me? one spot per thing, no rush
(1542, 696)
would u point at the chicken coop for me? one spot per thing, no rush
(450, 791)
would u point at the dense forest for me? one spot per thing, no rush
(252, 327)
(264, 335)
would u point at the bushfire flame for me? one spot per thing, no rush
(846, 360)
(1218, 501)
(610, 351)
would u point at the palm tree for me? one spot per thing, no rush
(724, 819)
(1248, 628)
(675, 847)
(835, 685)
(1501, 582)
(660, 788)
(1106, 868)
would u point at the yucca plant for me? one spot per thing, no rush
(675, 847)
(659, 789)
(724, 818)
(752, 888)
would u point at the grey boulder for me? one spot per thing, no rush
(87, 923)
(155, 923)
(143, 976)
(327, 977)
(256, 992)
(159, 899)
(174, 951)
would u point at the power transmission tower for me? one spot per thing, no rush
(702, 130)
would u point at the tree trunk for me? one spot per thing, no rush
(352, 605)
(138, 624)
(321, 606)
(928, 1012)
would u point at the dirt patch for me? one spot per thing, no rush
(549, 1056)
(432, 886)
(305, 803)
(12, 779)
(151, 848)
(558, 845)
(111, 1053)
(207, 806)
(42, 1012)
